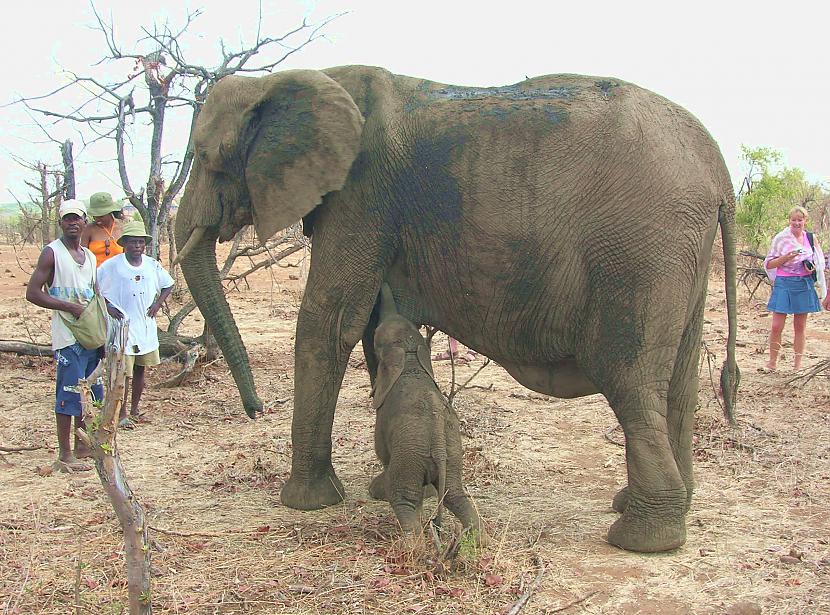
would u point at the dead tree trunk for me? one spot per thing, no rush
(68, 170)
(101, 428)
(44, 205)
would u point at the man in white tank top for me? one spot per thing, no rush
(64, 281)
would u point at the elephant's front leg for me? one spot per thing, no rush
(405, 493)
(326, 333)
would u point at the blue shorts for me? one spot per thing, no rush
(74, 362)
(793, 295)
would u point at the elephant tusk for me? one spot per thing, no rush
(195, 238)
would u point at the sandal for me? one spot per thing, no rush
(767, 370)
(70, 467)
(127, 423)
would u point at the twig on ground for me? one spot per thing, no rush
(804, 376)
(455, 392)
(574, 603)
(530, 396)
(522, 600)
(489, 387)
(610, 431)
(178, 534)
(18, 449)
(189, 364)
(78, 567)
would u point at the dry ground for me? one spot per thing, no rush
(541, 470)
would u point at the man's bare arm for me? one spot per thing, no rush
(43, 275)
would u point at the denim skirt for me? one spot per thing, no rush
(793, 295)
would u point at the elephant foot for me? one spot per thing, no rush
(644, 535)
(377, 488)
(253, 408)
(620, 501)
(313, 494)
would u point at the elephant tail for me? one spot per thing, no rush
(730, 375)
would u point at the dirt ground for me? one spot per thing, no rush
(541, 470)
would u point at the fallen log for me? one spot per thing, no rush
(25, 348)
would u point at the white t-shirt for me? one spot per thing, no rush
(133, 290)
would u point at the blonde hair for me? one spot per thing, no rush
(798, 209)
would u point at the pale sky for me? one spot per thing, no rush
(754, 72)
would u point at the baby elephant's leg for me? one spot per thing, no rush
(462, 507)
(456, 500)
(406, 492)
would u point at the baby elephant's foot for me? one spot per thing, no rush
(377, 488)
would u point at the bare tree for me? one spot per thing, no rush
(47, 197)
(160, 79)
(160, 82)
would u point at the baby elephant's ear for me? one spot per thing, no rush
(425, 361)
(390, 368)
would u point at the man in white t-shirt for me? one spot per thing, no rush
(135, 286)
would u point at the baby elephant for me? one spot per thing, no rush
(417, 434)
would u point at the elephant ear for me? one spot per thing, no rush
(301, 139)
(390, 368)
(424, 360)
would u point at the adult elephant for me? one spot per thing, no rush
(562, 226)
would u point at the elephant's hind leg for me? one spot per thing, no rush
(680, 405)
(683, 397)
(653, 518)
(630, 353)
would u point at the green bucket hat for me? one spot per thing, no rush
(133, 228)
(101, 204)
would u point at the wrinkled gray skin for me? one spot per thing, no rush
(562, 226)
(417, 435)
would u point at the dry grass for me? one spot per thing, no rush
(540, 470)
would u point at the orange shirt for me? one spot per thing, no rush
(104, 249)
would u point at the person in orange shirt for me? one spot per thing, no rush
(101, 235)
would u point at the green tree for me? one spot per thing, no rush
(768, 191)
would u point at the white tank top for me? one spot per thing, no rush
(73, 283)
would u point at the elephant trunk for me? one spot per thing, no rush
(202, 275)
